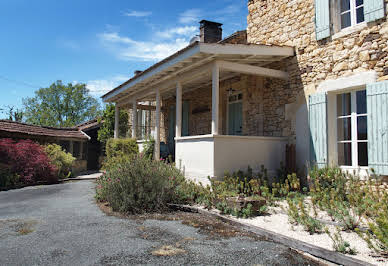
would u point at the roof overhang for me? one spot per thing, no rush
(195, 57)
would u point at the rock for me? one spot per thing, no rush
(349, 43)
(340, 67)
(364, 56)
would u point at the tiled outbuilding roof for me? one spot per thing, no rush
(32, 130)
(91, 124)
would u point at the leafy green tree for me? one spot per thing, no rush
(108, 124)
(61, 105)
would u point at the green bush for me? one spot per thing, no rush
(121, 147)
(119, 151)
(350, 201)
(149, 148)
(62, 160)
(139, 185)
(8, 179)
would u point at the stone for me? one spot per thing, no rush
(349, 43)
(340, 67)
(364, 56)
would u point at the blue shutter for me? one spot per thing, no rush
(322, 19)
(318, 129)
(373, 10)
(377, 102)
(185, 118)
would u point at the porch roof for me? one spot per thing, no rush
(192, 61)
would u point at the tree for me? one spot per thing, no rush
(14, 114)
(108, 123)
(61, 106)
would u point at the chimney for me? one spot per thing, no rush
(211, 32)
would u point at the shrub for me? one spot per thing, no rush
(149, 148)
(349, 200)
(339, 244)
(28, 160)
(62, 160)
(298, 213)
(121, 147)
(118, 151)
(8, 179)
(139, 185)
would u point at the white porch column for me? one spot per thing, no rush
(134, 118)
(215, 98)
(117, 118)
(157, 126)
(178, 127)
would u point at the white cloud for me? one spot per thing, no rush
(187, 31)
(127, 49)
(137, 14)
(190, 16)
(101, 86)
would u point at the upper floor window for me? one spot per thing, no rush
(352, 12)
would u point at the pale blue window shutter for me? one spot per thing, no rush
(373, 10)
(377, 101)
(318, 129)
(322, 19)
(185, 118)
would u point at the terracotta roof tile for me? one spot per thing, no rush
(88, 125)
(16, 127)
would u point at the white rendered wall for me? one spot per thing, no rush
(195, 156)
(234, 153)
(140, 144)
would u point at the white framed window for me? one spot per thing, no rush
(352, 129)
(351, 13)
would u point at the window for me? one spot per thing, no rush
(352, 131)
(351, 12)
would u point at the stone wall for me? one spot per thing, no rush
(291, 23)
(263, 112)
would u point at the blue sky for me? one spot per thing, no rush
(97, 42)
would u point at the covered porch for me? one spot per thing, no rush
(206, 107)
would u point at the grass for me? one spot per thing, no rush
(168, 251)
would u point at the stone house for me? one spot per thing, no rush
(308, 73)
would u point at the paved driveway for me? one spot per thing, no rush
(61, 225)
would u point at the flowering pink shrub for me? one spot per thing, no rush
(28, 160)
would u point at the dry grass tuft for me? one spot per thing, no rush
(168, 251)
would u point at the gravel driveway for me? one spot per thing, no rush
(62, 225)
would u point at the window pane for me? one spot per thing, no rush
(362, 130)
(359, 2)
(360, 14)
(343, 104)
(346, 20)
(345, 154)
(361, 102)
(344, 129)
(363, 154)
(345, 5)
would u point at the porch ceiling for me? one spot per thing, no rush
(190, 66)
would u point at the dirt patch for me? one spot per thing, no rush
(18, 226)
(209, 225)
(168, 251)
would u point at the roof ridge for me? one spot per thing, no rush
(47, 127)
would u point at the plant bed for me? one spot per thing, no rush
(275, 228)
(240, 203)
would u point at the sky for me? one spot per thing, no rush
(97, 42)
